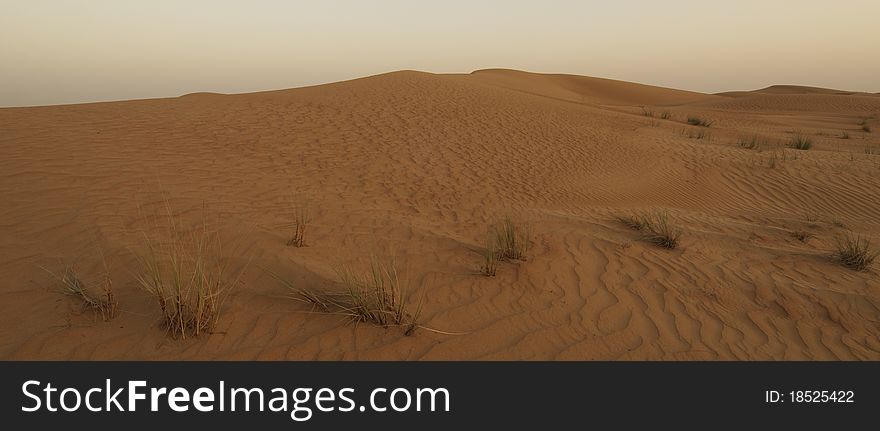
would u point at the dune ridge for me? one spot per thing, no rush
(416, 166)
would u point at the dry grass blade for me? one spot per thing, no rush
(490, 258)
(301, 219)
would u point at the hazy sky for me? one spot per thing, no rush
(76, 51)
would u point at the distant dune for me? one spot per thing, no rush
(417, 166)
(585, 89)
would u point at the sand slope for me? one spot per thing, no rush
(416, 165)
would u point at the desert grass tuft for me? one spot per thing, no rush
(376, 296)
(752, 143)
(800, 142)
(301, 219)
(655, 228)
(631, 221)
(187, 275)
(490, 258)
(665, 115)
(72, 284)
(647, 112)
(695, 133)
(855, 252)
(801, 235)
(844, 135)
(697, 121)
(511, 240)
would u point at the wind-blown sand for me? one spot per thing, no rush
(416, 165)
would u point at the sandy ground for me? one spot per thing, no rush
(416, 166)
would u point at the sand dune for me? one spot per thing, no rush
(416, 165)
(588, 90)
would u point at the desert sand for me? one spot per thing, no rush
(415, 166)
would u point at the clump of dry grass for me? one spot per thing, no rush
(647, 112)
(697, 121)
(511, 240)
(301, 219)
(752, 143)
(855, 252)
(655, 228)
(666, 115)
(490, 258)
(631, 221)
(186, 273)
(801, 235)
(103, 303)
(800, 142)
(695, 133)
(844, 135)
(377, 296)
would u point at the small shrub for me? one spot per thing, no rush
(855, 252)
(697, 121)
(866, 128)
(800, 142)
(844, 135)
